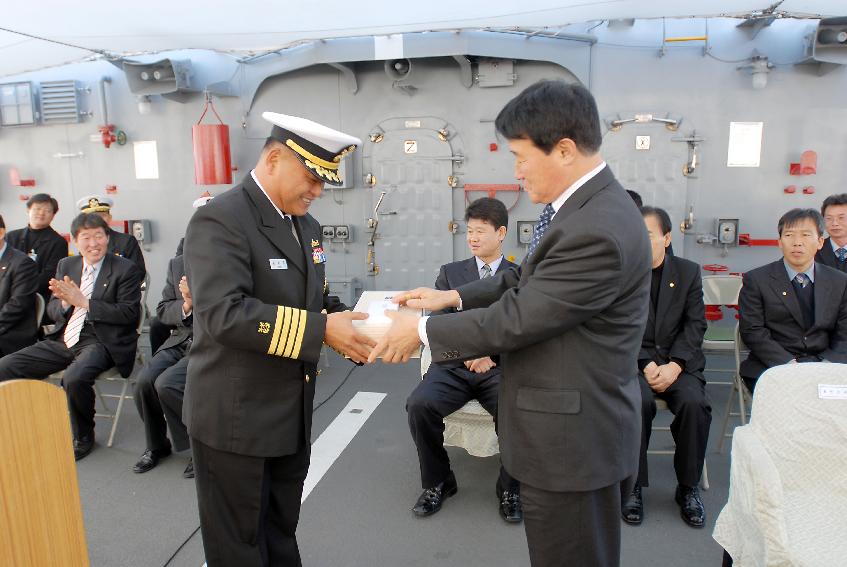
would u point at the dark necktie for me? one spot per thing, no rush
(541, 226)
(290, 224)
(841, 253)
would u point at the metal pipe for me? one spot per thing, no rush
(103, 111)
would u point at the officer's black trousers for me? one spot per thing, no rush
(249, 506)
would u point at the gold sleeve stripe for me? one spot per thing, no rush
(301, 331)
(283, 338)
(275, 337)
(292, 335)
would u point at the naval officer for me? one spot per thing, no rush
(255, 260)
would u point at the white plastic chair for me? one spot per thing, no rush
(788, 489)
(470, 427)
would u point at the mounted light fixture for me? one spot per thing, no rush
(144, 104)
(759, 67)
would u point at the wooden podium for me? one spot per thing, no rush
(40, 513)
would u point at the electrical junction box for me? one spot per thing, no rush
(727, 231)
(328, 232)
(525, 229)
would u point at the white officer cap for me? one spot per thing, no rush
(319, 148)
(95, 204)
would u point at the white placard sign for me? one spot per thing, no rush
(745, 144)
(146, 160)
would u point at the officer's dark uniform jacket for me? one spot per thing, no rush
(258, 327)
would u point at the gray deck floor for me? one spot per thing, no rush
(359, 513)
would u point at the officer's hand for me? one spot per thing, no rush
(400, 341)
(341, 336)
(427, 298)
(668, 373)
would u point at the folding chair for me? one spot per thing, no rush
(720, 340)
(40, 306)
(661, 405)
(738, 389)
(112, 374)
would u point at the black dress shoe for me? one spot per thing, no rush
(83, 446)
(432, 498)
(150, 459)
(189, 470)
(690, 506)
(632, 510)
(510, 504)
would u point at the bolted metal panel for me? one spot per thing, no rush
(59, 102)
(655, 174)
(413, 237)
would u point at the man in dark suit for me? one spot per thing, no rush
(256, 264)
(448, 386)
(160, 387)
(96, 304)
(795, 309)
(120, 243)
(39, 241)
(833, 253)
(670, 366)
(567, 325)
(18, 281)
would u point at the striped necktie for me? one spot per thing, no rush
(77, 320)
(486, 272)
(540, 226)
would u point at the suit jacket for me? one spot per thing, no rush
(51, 248)
(18, 284)
(258, 326)
(827, 257)
(126, 246)
(675, 328)
(115, 307)
(772, 320)
(453, 276)
(169, 310)
(568, 327)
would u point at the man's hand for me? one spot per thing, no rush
(67, 290)
(341, 336)
(651, 372)
(480, 365)
(666, 376)
(427, 298)
(187, 303)
(400, 341)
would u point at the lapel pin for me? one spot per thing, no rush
(672, 284)
(784, 293)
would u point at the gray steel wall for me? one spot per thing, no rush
(800, 109)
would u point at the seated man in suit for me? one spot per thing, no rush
(160, 387)
(671, 366)
(96, 304)
(447, 387)
(18, 283)
(794, 310)
(39, 241)
(120, 243)
(834, 250)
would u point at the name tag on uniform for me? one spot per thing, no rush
(278, 263)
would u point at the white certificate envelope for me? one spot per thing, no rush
(375, 304)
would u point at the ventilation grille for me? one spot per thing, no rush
(59, 102)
